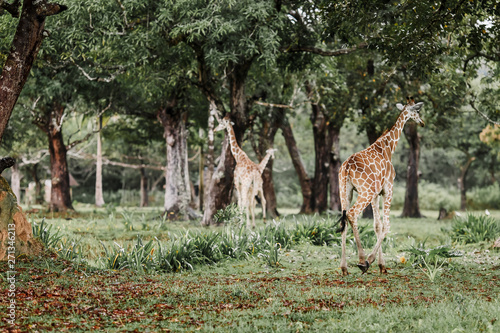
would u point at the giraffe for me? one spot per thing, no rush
(247, 174)
(256, 188)
(370, 172)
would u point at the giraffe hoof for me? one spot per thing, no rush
(364, 267)
(383, 270)
(344, 271)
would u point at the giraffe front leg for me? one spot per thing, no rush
(377, 225)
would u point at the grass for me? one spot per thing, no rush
(303, 292)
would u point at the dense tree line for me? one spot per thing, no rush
(148, 76)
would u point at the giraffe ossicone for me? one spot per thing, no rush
(247, 174)
(370, 172)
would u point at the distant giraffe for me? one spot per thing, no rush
(370, 173)
(247, 174)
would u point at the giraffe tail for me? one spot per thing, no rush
(342, 222)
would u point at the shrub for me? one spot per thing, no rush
(232, 214)
(474, 229)
(485, 197)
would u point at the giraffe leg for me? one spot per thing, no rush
(377, 225)
(361, 203)
(263, 203)
(346, 190)
(252, 206)
(246, 202)
(385, 227)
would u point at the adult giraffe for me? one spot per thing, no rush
(370, 173)
(247, 174)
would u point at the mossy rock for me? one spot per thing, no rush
(11, 214)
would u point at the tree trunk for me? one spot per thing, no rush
(177, 190)
(411, 206)
(38, 186)
(266, 141)
(25, 47)
(220, 189)
(15, 181)
(60, 195)
(322, 146)
(304, 180)
(144, 188)
(335, 164)
(462, 185)
(99, 197)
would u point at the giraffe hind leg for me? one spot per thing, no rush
(362, 202)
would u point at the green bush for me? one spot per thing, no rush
(474, 229)
(484, 197)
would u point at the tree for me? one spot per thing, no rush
(25, 46)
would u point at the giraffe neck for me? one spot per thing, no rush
(263, 163)
(393, 135)
(235, 149)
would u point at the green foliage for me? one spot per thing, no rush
(484, 197)
(139, 258)
(45, 234)
(420, 254)
(232, 214)
(474, 229)
(271, 253)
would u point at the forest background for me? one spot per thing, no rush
(122, 94)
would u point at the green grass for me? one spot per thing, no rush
(305, 292)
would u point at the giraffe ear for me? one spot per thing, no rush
(417, 107)
(400, 106)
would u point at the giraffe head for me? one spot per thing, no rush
(271, 151)
(224, 123)
(412, 110)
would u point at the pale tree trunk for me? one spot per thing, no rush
(15, 181)
(210, 158)
(411, 206)
(177, 188)
(144, 188)
(462, 185)
(201, 186)
(25, 47)
(304, 180)
(99, 197)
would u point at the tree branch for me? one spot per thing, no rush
(120, 70)
(482, 114)
(272, 105)
(326, 53)
(6, 162)
(11, 8)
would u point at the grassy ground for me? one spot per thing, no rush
(305, 292)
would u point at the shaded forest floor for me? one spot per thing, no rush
(305, 292)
